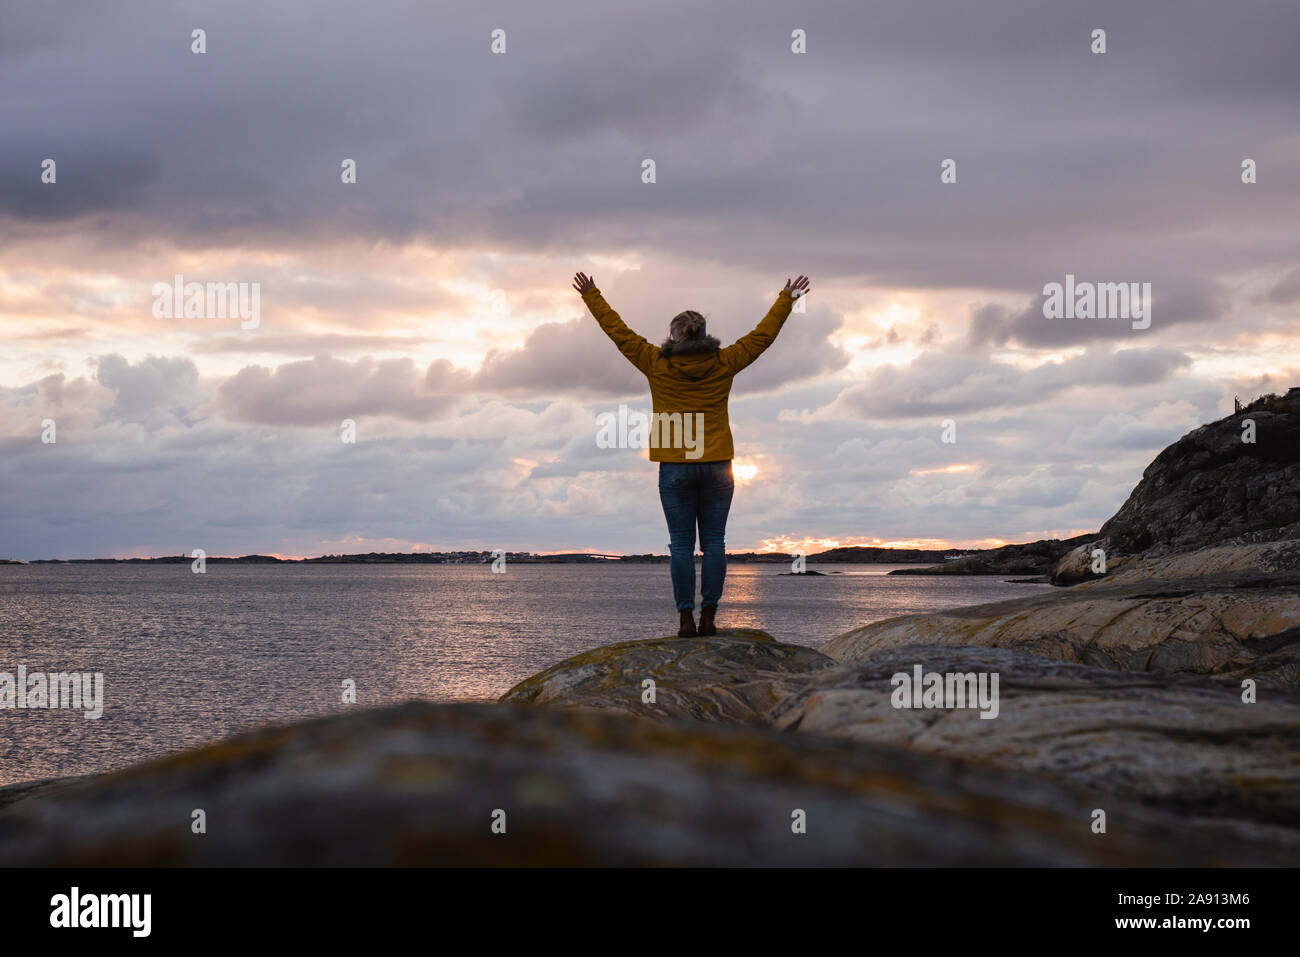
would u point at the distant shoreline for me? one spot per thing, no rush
(859, 555)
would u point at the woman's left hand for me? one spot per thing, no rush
(582, 282)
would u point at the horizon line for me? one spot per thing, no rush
(929, 546)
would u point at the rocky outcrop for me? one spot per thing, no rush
(1230, 626)
(735, 676)
(1088, 562)
(421, 784)
(1033, 558)
(1208, 488)
(1272, 558)
(1187, 745)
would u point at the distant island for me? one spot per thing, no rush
(858, 555)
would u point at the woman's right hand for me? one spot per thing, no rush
(797, 288)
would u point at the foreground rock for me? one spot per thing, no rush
(1228, 626)
(1183, 744)
(735, 676)
(1188, 745)
(419, 784)
(16, 792)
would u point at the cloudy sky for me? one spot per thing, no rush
(430, 301)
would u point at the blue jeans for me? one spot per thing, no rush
(696, 493)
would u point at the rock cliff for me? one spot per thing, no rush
(1211, 487)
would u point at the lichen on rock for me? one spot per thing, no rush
(735, 676)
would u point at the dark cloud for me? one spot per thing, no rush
(660, 97)
(1286, 291)
(836, 150)
(35, 27)
(89, 178)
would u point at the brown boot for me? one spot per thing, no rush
(707, 627)
(687, 629)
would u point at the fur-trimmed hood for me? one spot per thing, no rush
(689, 347)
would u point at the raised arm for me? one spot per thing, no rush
(749, 347)
(639, 352)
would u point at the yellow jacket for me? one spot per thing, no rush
(695, 385)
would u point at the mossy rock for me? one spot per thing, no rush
(735, 676)
(421, 784)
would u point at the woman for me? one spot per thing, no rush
(690, 382)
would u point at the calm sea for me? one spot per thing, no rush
(188, 658)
